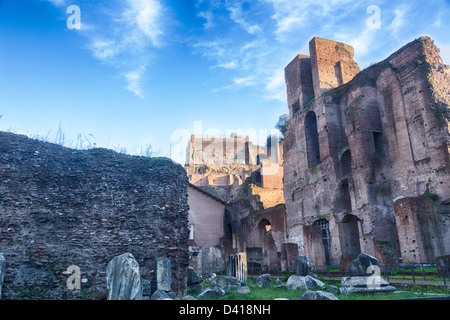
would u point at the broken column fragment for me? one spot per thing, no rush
(164, 274)
(123, 278)
(2, 272)
(365, 277)
(237, 266)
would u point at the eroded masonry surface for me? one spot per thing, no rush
(366, 154)
(61, 207)
(364, 168)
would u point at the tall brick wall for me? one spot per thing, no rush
(61, 207)
(332, 64)
(419, 231)
(207, 215)
(221, 151)
(299, 83)
(392, 120)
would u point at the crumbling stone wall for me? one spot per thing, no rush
(382, 136)
(332, 64)
(418, 223)
(61, 207)
(258, 231)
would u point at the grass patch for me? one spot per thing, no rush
(257, 293)
(309, 103)
(315, 169)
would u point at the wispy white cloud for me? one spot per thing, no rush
(134, 31)
(273, 36)
(238, 83)
(243, 81)
(133, 79)
(276, 87)
(104, 49)
(400, 14)
(125, 36)
(141, 17)
(227, 65)
(237, 16)
(438, 22)
(58, 3)
(361, 42)
(292, 16)
(288, 24)
(208, 16)
(444, 49)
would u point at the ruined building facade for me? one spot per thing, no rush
(366, 155)
(248, 179)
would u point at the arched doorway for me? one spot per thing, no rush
(257, 178)
(312, 140)
(321, 242)
(349, 238)
(269, 248)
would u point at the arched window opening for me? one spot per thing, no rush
(349, 238)
(312, 140)
(269, 248)
(346, 163)
(257, 178)
(342, 200)
(295, 108)
(265, 227)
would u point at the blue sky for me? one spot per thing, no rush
(141, 72)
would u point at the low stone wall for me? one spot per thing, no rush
(61, 207)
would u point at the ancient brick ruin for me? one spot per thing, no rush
(62, 207)
(364, 168)
(248, 178)
(366, 155)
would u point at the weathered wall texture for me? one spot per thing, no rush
(363, 144)
(258, 231)
(225, 163)
(221, 151)
(206, 214)
(61, 207)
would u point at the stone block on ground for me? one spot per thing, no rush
(213, 291)
(331, 289)
(225, 281)
(160, 295)
(303, 283)
(210, 276)
(193, 277)
(263, 280)
(123, 280)
(146, 287)
(243, 290)
(303, 266)
(318, 295)
(359, 266)
(372, 284)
